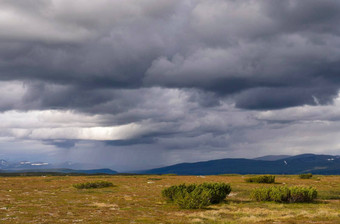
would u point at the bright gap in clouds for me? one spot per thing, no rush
(54, 124)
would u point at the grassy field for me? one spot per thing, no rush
(137, 199)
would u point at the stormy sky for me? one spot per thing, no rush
(138, 84)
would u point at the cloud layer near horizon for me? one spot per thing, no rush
(172, 80)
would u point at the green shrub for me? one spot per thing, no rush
(261, 179)
(305, 176)
(197, 196)
(96, 184)
(218, 191)
(285, 194)
(279, 194)
(261, 194)
(170, 192)
(302, 194)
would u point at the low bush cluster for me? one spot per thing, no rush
(261, 179)
(96, 184)
(305, 176)
(197, 196)
(285, 194)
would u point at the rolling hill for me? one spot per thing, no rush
(304, 163)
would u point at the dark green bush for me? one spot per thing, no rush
(261, 179)
(305, 176)
(96, 184)
(302, 194)
(197, 196)
(279, 194)
(285, 194)
(261, 194)
(218, 191)
(170, 192)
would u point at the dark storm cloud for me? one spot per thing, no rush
(259, 52)
(168, 81)
(277, 98)
(309, 16)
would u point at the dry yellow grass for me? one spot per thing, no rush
(137, 199)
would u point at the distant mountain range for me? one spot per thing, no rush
(39, 167)
(304, 163)
(271, 164)
(61, 171)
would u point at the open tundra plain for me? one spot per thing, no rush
(137, 199)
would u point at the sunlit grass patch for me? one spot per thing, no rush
(268, 212)
(33, 200)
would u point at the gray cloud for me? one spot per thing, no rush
(182, 75)
(244, 47)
